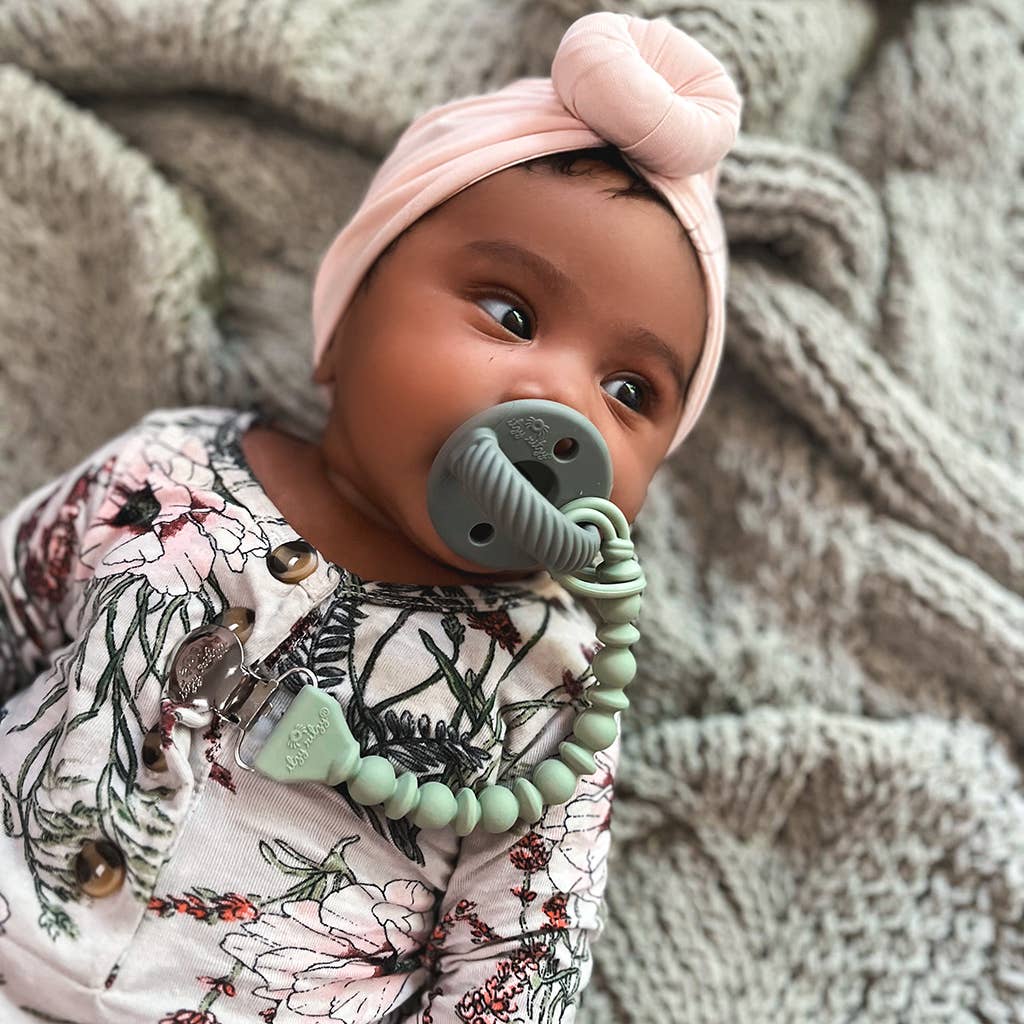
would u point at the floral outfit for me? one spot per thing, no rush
(145, 877)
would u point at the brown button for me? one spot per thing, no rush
(292, 561)
(239, 620)
(153, 756)
(99, 868)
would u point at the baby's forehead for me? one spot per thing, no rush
(546, 205)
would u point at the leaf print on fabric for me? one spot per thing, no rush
(165, 519)
(581, 841)
(351, 957)
(57, 805)
(496, 999)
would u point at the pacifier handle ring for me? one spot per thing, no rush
(506, 496)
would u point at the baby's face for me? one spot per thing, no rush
(527, 284)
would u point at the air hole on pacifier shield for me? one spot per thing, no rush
(542, 478)
(481, 533)
(566, 449)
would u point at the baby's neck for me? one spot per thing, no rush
(341, 526)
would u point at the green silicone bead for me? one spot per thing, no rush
(618, 634)
(499, 809)
(375, 782)
(555, 780)
(468, 814)
(619, 609)
(579, 760)
(614, 665)
(405, 797)
(596, 730)
(605, 699)
(437, 806)
(531, 802)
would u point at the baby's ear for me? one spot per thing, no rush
(323, 372)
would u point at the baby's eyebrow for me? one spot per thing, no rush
(558, 282)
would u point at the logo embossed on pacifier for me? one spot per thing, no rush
(534, 431)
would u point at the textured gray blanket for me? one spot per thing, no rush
(819, 815)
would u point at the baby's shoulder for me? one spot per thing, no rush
(173, 443)
(185, 425)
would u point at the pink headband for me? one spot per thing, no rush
(642, 85)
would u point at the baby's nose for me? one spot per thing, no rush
(554, 381)
(559, 391)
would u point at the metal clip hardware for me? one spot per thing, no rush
(207, 674)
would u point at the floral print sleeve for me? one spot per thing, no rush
(40, 542)
(512, 941)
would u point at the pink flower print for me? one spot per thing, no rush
(189, 1017)
(155, 525)
(497, 1000)
(47, 567)
(339, 959)
(580, 843)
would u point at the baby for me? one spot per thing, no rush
(557, 239)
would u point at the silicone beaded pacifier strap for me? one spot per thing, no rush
(313, 743)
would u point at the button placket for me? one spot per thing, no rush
(293, 561)
(99, 868)
(204, 683)
(239, 619)
(154, 756)
(297, 601)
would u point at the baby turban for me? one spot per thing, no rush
(642, 85)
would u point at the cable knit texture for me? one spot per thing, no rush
(819, 813)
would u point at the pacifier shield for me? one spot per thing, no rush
(558, 450)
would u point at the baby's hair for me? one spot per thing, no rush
(562, 163)
(565, 163)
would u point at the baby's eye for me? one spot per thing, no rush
(517, 319)
(634, 394)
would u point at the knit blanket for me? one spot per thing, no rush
(819, 814)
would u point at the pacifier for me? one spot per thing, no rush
(496, 486)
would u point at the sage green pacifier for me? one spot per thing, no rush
(496, 486)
